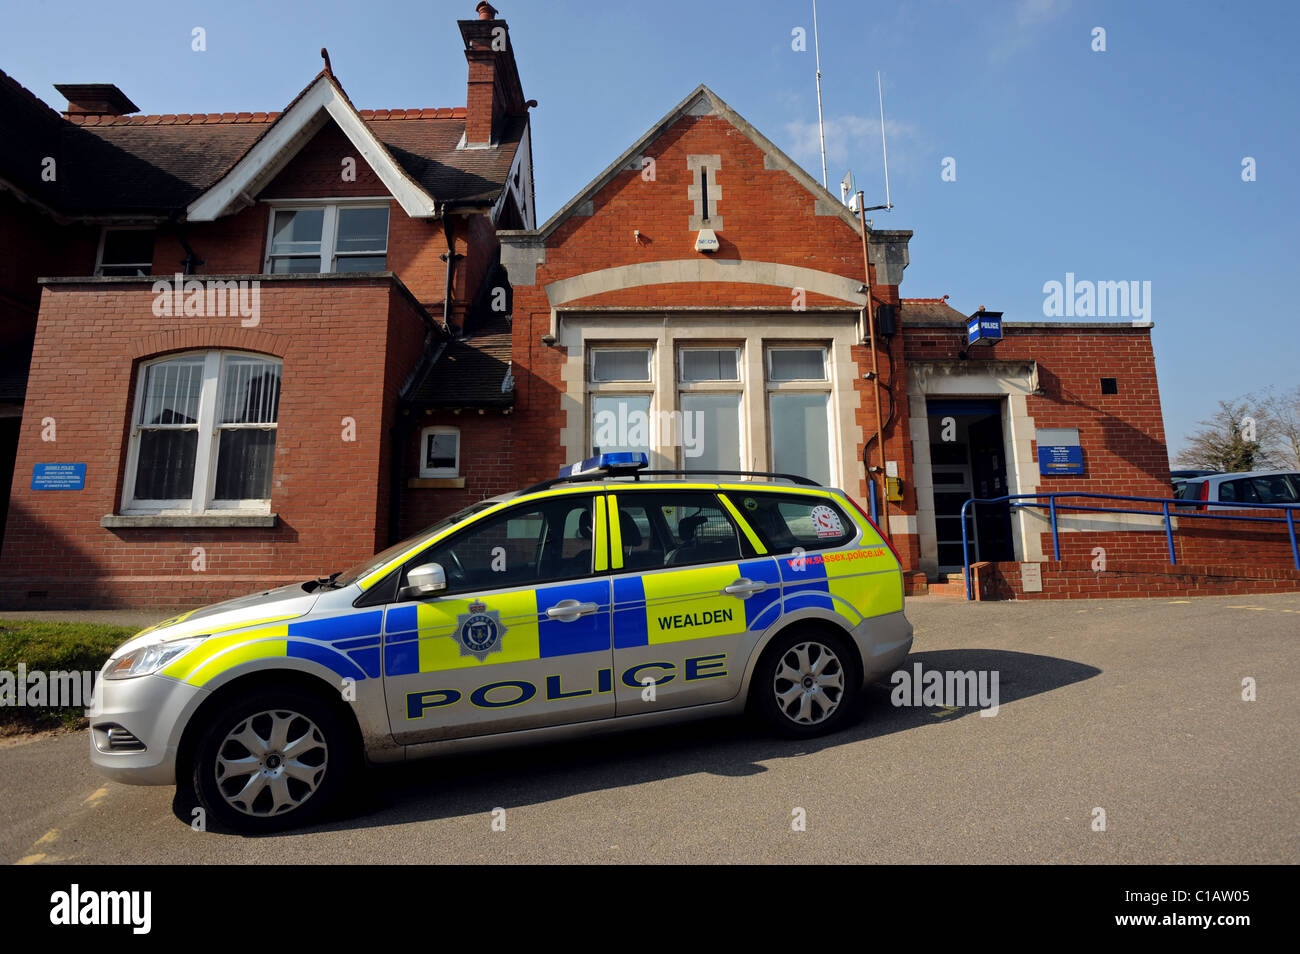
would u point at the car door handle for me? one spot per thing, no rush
(568, 610)
(743, 588)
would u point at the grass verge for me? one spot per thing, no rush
(50, 647)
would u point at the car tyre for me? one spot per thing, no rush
(806, 684)
(272, 760)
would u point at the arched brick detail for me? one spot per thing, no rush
(234, 338)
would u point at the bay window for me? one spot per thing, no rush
(203, 433)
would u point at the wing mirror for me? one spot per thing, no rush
(426, 580)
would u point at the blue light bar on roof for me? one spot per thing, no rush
(621, 462)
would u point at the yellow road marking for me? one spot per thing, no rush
(95, 797)
(31, 859)
(50, 837)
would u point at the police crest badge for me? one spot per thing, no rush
(479, 631)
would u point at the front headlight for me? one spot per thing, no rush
(149, 659)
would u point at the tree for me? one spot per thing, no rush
(1283, 411)
(1241, 436)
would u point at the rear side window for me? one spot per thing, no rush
(1237, 491)
(668, 529)
(786, 521)
(1269, 489)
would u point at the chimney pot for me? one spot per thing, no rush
(486, 11)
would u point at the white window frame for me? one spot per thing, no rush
(819, 386)
(426, 471)
(206, 452)
(825, 352)
(731, 387)
(616, 389)
(646, 382)
(735, 382)
(103, 240)
(329, 229)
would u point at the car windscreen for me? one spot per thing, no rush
(364, 569)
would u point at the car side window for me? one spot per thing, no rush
(1238, 491)
(668, 529)
(540, 542)
(786, 521)
(1274, 489)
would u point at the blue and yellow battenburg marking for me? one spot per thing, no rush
(676, 605)
(348, 645)
(845, 582)
(527, 633)
(514, 692)
(650, 609)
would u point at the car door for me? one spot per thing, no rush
(688, 587)
(519, 639)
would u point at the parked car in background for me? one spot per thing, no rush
(1251, 487)
(1179, 479)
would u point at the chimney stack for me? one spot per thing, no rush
(95, 99)
(494, 91)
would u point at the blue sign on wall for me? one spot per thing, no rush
(984, 327)
(59, 477)
(1060, 459)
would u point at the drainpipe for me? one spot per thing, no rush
(449, 257)
(875, 376)
(191, 261)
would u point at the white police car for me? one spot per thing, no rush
(611, 596)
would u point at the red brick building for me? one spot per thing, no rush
(705, 275)
(418, 342)
(253, 329)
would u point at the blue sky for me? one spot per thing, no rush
(1123, 165)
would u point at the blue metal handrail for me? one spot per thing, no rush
(1289, 519)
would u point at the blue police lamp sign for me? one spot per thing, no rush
(984, 327)
(1059, 451)
(59, 477)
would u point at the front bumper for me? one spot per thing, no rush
(148, 715)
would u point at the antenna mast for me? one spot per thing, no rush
(885, 155)
(821, 130)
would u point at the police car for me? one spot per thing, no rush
(609, 597)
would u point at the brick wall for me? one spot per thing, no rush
(1122, 434)
(487, 456)
(346, 345)
(1075, 579)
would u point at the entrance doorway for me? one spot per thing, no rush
(968, 458)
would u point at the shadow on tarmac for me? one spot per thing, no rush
(474, 784)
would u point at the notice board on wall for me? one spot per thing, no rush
(59, 477)
(1059, 451)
